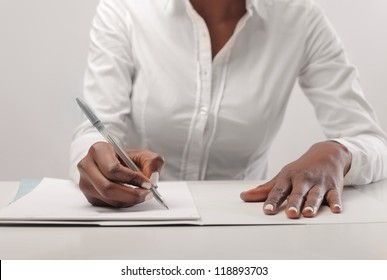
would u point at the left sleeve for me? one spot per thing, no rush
(331, 84)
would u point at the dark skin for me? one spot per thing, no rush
(221, 18)
(306, 183)
(316, 177)
(102, 176)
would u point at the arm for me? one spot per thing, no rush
(357, 151)
(107, 88)
(332, 85)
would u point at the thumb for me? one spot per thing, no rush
(258, 194)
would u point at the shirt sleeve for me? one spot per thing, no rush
(331, 84)
(107, 81)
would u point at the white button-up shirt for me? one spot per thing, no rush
(152, 80)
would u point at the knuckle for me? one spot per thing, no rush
(334, 184)
(153, 156)
(272, 200)
(93, 149)
(82, 164)
(266, 188)
(278, 191)
(332, 198)
(159, 159)
(296, 196)
(157, 162)
(307, 175)
(114, 168)
(135, 196)
(286, 172)
(106, 190)
(97, 148)
(84, 186)
(315, 195)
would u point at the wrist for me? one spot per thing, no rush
(344, 155)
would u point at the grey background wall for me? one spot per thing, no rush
(43, 48)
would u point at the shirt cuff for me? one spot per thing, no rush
(352, 176)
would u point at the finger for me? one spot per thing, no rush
(296, 199)
(149, 162)
(96, 186)
(313, 201)
(96, 202)
(109, 165)
(87, 168)
(90, 193)
(277, 196)
(333, 198)
(258, 194)
(93, 196)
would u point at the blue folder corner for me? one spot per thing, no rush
(25, 186)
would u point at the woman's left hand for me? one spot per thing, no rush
(316, 176)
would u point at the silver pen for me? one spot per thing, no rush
(95, 121)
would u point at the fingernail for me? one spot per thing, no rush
(154, 178)
(146, 185)
(293, 209)
(308, 209)
(149, 196)
(269, 207)
(337, 206)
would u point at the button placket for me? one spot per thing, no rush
(196, 146)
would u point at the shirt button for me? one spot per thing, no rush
(203, 111)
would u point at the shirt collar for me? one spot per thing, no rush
(172, 6)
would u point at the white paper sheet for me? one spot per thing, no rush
(221, 205)
(59, 201)
(218, 203)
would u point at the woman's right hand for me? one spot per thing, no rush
(104, 179)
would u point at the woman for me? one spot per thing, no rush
(198, 89)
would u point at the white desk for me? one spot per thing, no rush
(317, 241)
